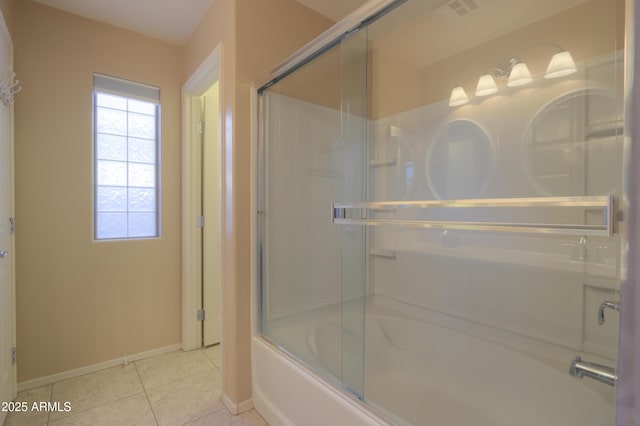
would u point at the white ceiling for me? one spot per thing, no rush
(333, 9)
(172, 21)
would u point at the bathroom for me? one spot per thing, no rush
(425, 217)
(439, 201)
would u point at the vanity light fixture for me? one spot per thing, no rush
(517, 74)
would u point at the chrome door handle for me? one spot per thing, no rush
(3, 254)
(604, 305)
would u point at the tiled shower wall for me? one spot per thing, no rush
(557, 140)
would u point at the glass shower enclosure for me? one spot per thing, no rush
(440, 198)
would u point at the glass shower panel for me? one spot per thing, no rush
(352, 250)
(313, 272)
(494, 182)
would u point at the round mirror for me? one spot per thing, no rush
(459, 160)
(571, 143)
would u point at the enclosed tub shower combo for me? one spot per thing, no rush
(440, 217)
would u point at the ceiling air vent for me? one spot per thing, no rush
(456, 9)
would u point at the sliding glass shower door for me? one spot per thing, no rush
(313, 277)
(441, 211)
(495, 181)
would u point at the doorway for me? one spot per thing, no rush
(209, 131)
(202, 207)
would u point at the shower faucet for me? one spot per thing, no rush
(604, 305)
(601, 373)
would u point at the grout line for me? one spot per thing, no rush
(197, 374)
(196, 420)
(144, 389)
(72, 413)
(210, 360)
(213, 413)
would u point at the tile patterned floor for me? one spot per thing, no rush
(174, 389)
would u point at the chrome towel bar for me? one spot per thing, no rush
(358, 214)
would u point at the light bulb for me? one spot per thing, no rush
(486, 86)
(519, 75)
(561, 64)
(458, 97)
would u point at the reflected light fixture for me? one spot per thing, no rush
(486, 86)
(519, 75)
(458, 97)
(561, 64)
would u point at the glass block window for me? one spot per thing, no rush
(126, 163)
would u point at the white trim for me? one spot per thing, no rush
(69, 374)
(239, 408)
(6, 34)
(206, 74)
(286, 392)
(191, 328)
(253, 208)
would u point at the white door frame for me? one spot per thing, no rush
(6, 35)
(204, 77)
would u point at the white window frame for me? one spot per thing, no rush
(136, 91)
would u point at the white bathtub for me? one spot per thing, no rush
(417, 372)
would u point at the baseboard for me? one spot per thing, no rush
(239, 408)
(69, 374)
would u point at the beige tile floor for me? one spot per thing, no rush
(174, 389)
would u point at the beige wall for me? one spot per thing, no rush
(319, 83)
(267, 33)
(81, 302)
(217, 26)
(384, 97)
(256, 36)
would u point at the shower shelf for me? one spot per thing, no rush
(605, 130)
(357, 214)
(392, 161)
(389, 254)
